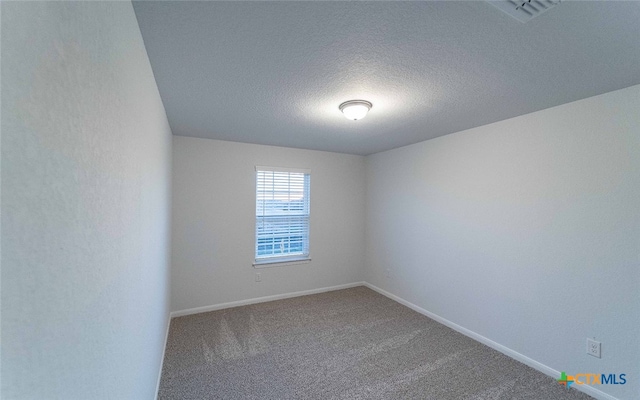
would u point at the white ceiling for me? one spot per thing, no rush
(275, 72)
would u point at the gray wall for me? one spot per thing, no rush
(214, 222)
(525, 231)
(86, 159)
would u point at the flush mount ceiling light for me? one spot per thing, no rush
(355, 109)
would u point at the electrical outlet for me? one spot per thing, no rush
(258, 277)
(593, 348)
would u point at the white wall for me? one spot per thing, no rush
(214, 222)
(526, 231)
(86, 158)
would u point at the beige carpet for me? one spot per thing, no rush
(347, 344)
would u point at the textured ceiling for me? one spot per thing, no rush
(275, 72)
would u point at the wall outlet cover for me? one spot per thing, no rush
(593, 348)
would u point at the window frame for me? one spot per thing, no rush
(287, 259)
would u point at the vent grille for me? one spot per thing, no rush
(525, 10)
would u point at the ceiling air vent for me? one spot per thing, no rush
(524, 10)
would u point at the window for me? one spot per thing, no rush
(282, 215)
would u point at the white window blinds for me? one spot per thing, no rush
(282, 214)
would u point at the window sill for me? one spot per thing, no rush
(280, 263)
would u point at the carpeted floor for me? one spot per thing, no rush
(347, 344)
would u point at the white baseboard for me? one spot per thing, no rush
(164, 349)
(239, 303)
(497, 346)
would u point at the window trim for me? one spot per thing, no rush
(281, 262)
(283, 169)
(277, 261)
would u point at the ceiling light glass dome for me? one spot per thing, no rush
(355, 109)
